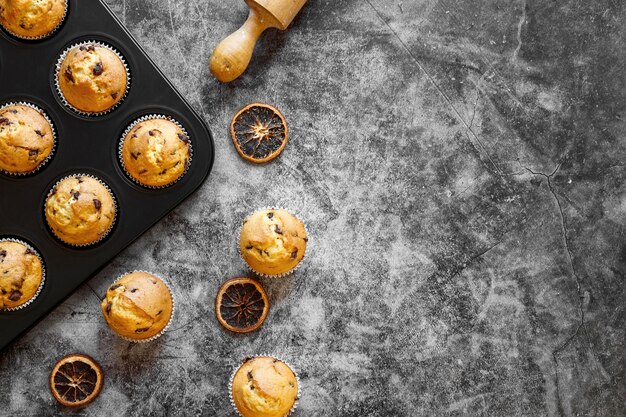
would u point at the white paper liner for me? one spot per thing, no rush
(283, 274)
(43, 274)
(106, 233)
(57, 74)
(156, 336)
(232, 377)
(143, 119)
(47, 35)
(54, 137)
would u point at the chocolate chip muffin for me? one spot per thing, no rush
(264, 387)
(21, 274)
(92, 78)
(156, 152)
(26, 139)
(138, 306)
(272, 241)
(32, 19)
(80, 210)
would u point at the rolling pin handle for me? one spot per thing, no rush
(232, 56)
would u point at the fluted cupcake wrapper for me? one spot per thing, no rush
(127, 131)
(283, 274)
(57, 73)
(106, 233)
(232, 377)
(156, 336)
(47, 35)
(54, 137)
(43, 274)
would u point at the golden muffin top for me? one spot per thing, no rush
(138, 306)
(80, 210)
(32, 18)
(156, 152)
(272, 241)
(21, 273)
(92, 78)
(26, 139)
(264, 387)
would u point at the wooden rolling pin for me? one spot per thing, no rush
(232, 56)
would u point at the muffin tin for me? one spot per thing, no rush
(89, 145)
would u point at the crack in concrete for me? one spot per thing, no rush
(445, 97)
(519, 32)
(581, 309)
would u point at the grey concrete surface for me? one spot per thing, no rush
(460, 167)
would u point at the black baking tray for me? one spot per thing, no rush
(87, 145)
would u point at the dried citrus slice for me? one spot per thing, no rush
(259, 132)
(241, 305)
(76, 380)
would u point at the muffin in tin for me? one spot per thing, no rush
(32, 19)
(21, 274)
(80, 210)
(272, 241)
(156, 152)
(138, 306)
(26, 139)
(264, 387)
(92, 78)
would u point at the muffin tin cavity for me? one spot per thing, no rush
(87, 144)
(155, 151)
(91, 78)
(44, 19)
(27, 138)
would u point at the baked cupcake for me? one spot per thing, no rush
(138, 306)
(26, 139)
(80, 210)
(156, 152)
(32, 19)
(21, 274)
(92, 78)
(272, 242)
(264, 387)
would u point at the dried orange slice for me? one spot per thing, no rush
(241, 305)
(259, 132)
(76, 380)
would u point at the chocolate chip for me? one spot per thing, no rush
(14, 111)
(80, 180)
(163, 172)
(76, 195)
(15, 295)
(114, 287)
(114, 95)
(98, 69)
(134, 155)
(160, 311)
(250, 375)
(3, 292)
(277, 230)
(33, 152)
(270, 215)
(306, 239)
(97, 203)
(134, 290)
(143, 171)
(83, 48)
(182, 137)
(294, 254)
(68, 74)
(249, 247)
(39, 133)
(91, 47)
(151, 133)
(108, 309)
(3, 255)
(4, 121)
(145, 329)
(29, 251)
(54, 191)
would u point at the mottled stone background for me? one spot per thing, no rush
(460, 166)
